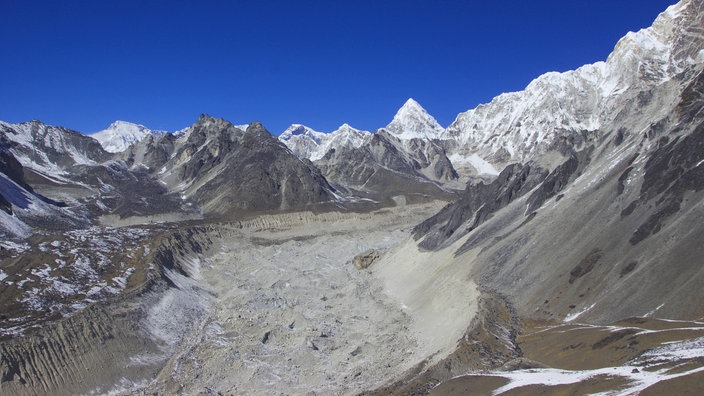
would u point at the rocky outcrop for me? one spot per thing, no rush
(258, 173)
(556, 180)
(366, 259)
(675, 168)
(13, 170)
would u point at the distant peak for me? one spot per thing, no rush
(119, 124)
(206, 120)
(412, 108)
(346, 127)
(256, 125)
(413, 121)
(300, 130)
(122, 134)
(412, 103)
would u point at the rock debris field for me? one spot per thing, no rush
(284, 310)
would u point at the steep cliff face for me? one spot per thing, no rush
(12, 169)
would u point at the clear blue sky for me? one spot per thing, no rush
(84, 64)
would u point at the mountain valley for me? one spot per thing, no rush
(547, 242)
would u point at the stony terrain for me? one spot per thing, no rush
(548, 242)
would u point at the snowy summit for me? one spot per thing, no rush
(122, 134)
(413, 121)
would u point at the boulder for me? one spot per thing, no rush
(364, 260)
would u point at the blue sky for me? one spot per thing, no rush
(84, 64)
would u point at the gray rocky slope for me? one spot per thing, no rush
(574, 245)
(621, 189)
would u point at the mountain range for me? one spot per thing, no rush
(571, 207)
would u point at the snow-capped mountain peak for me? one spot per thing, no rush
(516, 126)
(121, 134)
(413, 121)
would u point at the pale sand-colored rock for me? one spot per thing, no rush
(435, 290)
(289, 313)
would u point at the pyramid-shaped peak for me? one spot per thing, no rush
(413, 109)
(413, 121)
(412, 104)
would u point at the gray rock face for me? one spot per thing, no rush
(675, 169)
(13, 170)
(476, 204)
(226, 169)
(383, 168)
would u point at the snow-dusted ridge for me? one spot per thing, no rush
(308, 143)
(518, 125)
(48, 149)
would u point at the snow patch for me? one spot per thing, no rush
(575, 315)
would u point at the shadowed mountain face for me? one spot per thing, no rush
(12, 169)
(226, 169)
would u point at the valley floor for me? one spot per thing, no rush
(275, 305)
(284, 310)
